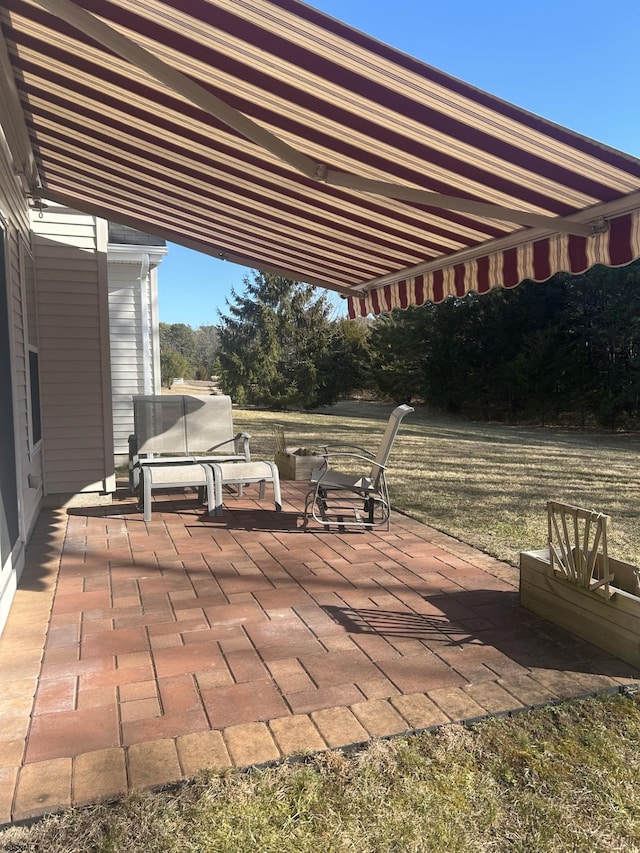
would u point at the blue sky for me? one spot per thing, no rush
(575, 62)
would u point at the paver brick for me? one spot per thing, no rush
(69, 733)
(325, 697)
(593, 682)
(339, 727)
(100, 775)
(243, 703)
(378, 688)
(153, 763)
(379, 718)
(43, 787)
(245, 665)
(456, 704)
(529, 691)
(12, 751)
(561, 683)
(202, 750)
(250, 743)
(138, 690)
(56, 694)
(296, 734)
(340, 668)
(419, 673)
(493, 698)
(419, 711)
(8, 778)
(179, 694)
(164, 726)
(15, 693)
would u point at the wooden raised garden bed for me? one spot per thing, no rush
(295, 463)
(575, 584)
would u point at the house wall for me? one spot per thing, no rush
(20, 464)
(133, 323)
(71, 265)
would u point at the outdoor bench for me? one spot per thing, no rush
(174, 434)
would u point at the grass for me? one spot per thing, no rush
(486, 484)
(558, 779)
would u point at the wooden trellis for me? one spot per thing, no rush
(578, 545)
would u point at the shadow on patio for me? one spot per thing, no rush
(137, 654)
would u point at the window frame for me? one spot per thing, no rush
(31, 347)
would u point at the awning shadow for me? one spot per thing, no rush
(395, 624)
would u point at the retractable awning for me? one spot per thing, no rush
(267, 133)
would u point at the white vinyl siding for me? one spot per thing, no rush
(134, 352)
(70, 253)
(127, 356)
(14, 214)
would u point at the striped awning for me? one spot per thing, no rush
(265, 132)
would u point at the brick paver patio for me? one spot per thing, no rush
(137, 654)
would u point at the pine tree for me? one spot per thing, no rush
(273, 340)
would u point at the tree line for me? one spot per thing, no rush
(565, 350)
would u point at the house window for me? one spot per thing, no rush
(32, 350)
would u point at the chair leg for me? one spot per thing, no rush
(210, 489)
(277, 497)
(305, 518)
(217, 489)
(370, 507)
(146, 493)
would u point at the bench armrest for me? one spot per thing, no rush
(241, 442)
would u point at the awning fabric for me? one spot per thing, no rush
(536, 260)
(267, 133)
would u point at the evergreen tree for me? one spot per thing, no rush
(273, 342)
(567, 348)
(173, 365)
(178, 337)
(346, 366)
(398, 346)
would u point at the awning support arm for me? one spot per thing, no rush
(15, 125)
(140, 57)
(128, 50)
(478, 208)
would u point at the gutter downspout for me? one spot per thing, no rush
(145, 325)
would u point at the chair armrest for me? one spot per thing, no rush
(322, 475)
(241, 441)
(330, 448)
(367, 459)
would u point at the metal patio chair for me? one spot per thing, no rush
(344, 499)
